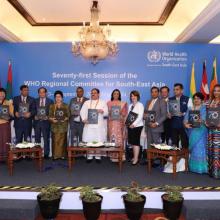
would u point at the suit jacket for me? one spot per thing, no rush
(160, 109)
(24, 122)
(72, 101)
(47, 105)
(177, 121)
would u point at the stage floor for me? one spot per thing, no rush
(101, 175)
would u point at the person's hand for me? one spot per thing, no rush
(100, 111)
(36, 117)
(17, 114)
(169, 115)
(131, 126)
(54, 120)
(145, 115)
(85, 121)
(180, 114)
(27, 114)
(187, 125)
(153, 125)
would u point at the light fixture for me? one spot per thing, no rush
(94, 41)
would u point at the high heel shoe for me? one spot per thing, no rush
(133, 164)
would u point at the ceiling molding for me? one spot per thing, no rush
(200, 21)
(8, 35)
(30, 19)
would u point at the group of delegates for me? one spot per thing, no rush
(203, 142)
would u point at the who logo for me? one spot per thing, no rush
(154, 56)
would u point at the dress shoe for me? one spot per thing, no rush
(134, 163)
(97, 160)
(89, 161)
(46, 157)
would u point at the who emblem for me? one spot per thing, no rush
(154, 56)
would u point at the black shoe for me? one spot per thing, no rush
(98, 160)
(155, 165)
(134, 164)
(28, 159)
(46, 157)
(89, 161)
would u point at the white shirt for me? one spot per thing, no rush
(139, 109)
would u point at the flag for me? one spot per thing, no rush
(204, 89)
(9, 82)
(214, 79)
(192, 86)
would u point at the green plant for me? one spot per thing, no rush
(133, 194)
(88, 194)
(50, 192)
(173, 193)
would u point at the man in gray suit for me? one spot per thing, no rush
(155, 115)
(76, 124)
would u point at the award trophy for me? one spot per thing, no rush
(115, 112)
(194, 118)
(4, 112)
(93, 116)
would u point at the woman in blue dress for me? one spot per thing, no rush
(197, 137)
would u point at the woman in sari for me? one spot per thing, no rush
(116, 126)
(197, 137)
(214, 137)
(5, 127)
(58, 116)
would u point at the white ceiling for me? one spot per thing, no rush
(190, 20)
(111, 10)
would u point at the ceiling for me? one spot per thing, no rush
(130, 21)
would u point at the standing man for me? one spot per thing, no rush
(166, 135)
(155, 115)
(178, 130)
(92, 113)
(41, 122)
(76, 124)
(24, 111)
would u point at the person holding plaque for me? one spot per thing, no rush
(116, 121)
(135, 124)
(24, 111)
(6, 111)
(59, 116)
(41, 120)
(92, 113)
(177, 107)
(155, 114)
(76, 124)
(166, 135)
(194, 121)
(214, 136)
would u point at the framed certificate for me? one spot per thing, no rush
(4, 112)
(194, 118)
(115, 112)
(41, 113)
(23, 108)
(174, 107)
(59, 115)
(213, 117)
(75, 108)
(93, 116)
(132, 116)
(151, 117)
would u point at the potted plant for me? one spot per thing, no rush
(92, 202)
(134, 202)
(172, 202)
(49, 201)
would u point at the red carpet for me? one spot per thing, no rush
(107, 217)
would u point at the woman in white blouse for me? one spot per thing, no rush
(134, 130)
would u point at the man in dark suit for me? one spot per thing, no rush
(24, 111)
(41, 122)
(76, 124)
(166, 134)
(157, 106)
(178, 130)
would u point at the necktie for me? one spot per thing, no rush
(132, 107)
(42, 102)
(24, 99)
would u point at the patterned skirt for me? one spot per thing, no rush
(214, 153)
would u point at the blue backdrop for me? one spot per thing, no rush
(136, 66)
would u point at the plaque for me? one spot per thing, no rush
(93, 116)
(75, 108)
(23, 108)
(213, 117)
(151, 117)
(4, 112)
(194, 118)
(59, 115)
(174, 107)
(132, 116)
(42, 113)
(115, 112)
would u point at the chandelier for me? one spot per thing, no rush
(94, 41)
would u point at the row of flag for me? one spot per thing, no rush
(204, 88)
